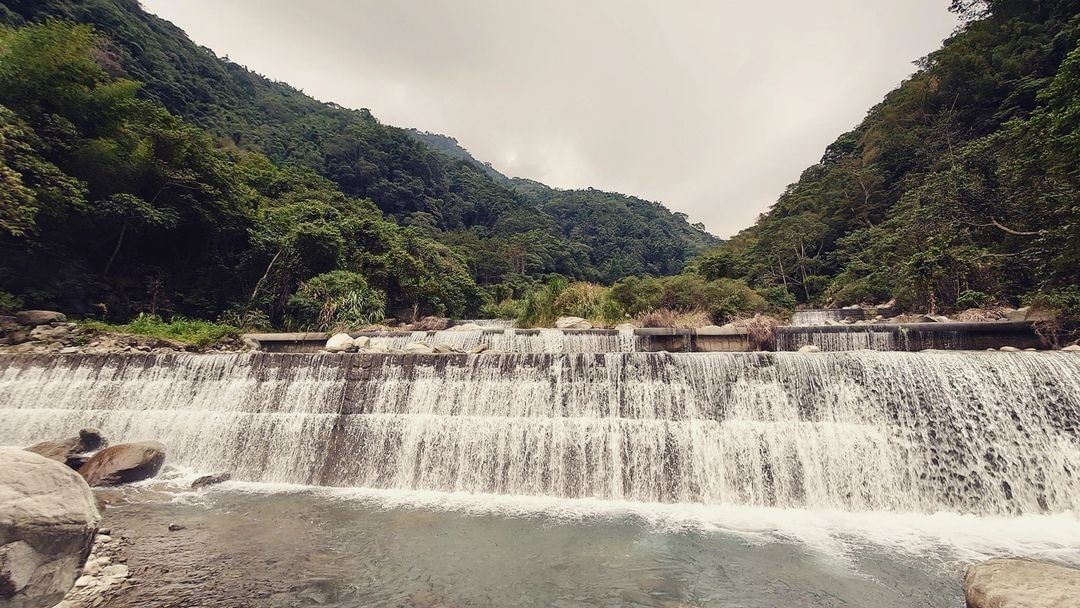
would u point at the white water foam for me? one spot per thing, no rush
(952, 537)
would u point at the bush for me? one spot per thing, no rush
(336, 300)
(201, 334)
(507, 309)
(1063, 301)
(973, 299)
(781, 302)
(9, 303)
(558, 298)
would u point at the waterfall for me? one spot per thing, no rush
(815, 317)
(510, 340)
(853, 339)
(958, 431)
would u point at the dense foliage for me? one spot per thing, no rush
(425, 182)
(962, 187)
(114, 206)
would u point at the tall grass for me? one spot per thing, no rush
(201, 334)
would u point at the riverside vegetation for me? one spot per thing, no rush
(143, 175)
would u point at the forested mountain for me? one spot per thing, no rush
(504, 239)
(623, 235)
(961, 188)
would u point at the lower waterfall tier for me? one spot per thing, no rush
(958, 431)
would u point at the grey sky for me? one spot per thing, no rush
(709, 106)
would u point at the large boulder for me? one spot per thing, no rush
(39, 317)
(47, 524)
(420, 348)
(339, 343)
(572, 323)
(431, 324)
(124, 463)
(69, 451)
(1021, 583)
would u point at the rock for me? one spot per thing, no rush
(47, 525)
(176, 527)
(431, 324)
(1009, 349)
(361, 342)
(378, 348)
(339, 343)
(1072, 348)
(49, 332)
(935, 319)
(419, 348)
(1019, 314)
(810, 348)
(630, 327)
(572, 323)
(466, 327)
(209, 480)
(39, 317)
(124, 463)
(479, 348)
(443, 349)
(1021, 583)
(69, 450)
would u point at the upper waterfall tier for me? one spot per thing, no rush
(978, 432)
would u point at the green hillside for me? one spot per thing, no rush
(961, 188)
(454, 216)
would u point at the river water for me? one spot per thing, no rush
(269, 545)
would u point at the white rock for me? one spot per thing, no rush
(116, 571)
(47, 524)
(339, 343)
(479, 348)
(1021, 583)
(361, 341)
(1072, 348)
(810, 348)
(630, 327)
(1020, 314)
(466, 327)
(418, 348)
(1009, 349)
(572, 323)
(85, 581)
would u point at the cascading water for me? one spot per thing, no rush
(510, 340)
(855, 339)
(970, 432)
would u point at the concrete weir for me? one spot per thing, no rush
(885, 337)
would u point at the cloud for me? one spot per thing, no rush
(712, 107)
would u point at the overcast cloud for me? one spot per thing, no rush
(710, 106)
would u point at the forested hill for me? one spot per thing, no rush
(961, 188)
(625, 235)
(419, 181)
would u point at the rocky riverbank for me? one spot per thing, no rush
(50, 332)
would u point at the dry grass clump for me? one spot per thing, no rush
(666, 317)
(971, 315)
(760, 331)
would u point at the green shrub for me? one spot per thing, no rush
(506, 309)
(9, 303)
(781, 302)
(1063, 301)
(973, 299)
(201, 334)
(336, 300)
